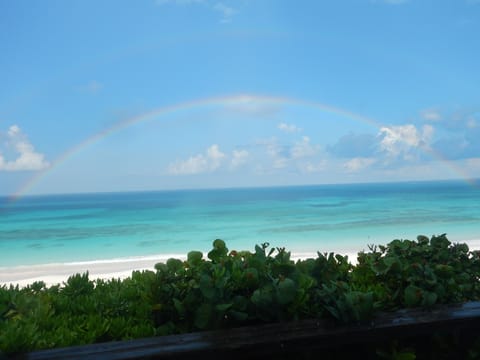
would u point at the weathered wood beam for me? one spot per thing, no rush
(244, 342)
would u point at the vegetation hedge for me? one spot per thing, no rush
(236, 288)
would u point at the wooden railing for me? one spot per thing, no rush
(280, 339)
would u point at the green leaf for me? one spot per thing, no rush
(223, 307)
(392, 264)
(262, 297)
(219, 244)
(194, 258)
(362, 304)
(219, 251)
(286, 291)
(440, 241)
(78, 285)
(251, 276)
(412, 295)
(238, 315)
(240, 302)
(174, 265)
(161, 267)
(203, 315)
(206, 287)
(179, 306)
(429, 298)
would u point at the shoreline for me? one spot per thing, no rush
(121, 268)
(57, 273)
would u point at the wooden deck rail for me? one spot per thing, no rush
(258, 341)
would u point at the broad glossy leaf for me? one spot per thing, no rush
(287, 290)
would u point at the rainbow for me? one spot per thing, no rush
(234, 100)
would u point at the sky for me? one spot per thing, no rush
(120, 95)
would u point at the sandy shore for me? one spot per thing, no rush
(53, 274)
(57, 273)
(119, 268)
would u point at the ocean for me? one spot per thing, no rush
(304, 219)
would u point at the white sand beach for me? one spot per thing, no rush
(57, 273)
(121, 268)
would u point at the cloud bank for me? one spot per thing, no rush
(209, 161)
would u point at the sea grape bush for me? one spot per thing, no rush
(425, 272)
(236, 288)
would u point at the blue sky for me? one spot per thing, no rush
(219, 93)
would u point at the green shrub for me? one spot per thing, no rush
(237, 288)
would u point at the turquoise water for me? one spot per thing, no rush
(340, 218)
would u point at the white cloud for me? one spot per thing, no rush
(239, 157)
(292, 155)
(280, 163)
(312, 168)
(303, 148)
(214, 153)
(427, 134)
(209, 161)
(27, 158)
(399, 140)
(277, 153)
(289, 128)
(212, 159)
(431, 115)
(359, 163)
(13, 131)
(273, 149)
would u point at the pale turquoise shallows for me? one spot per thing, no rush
(305, 219)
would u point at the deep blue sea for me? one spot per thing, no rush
(339, 218)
